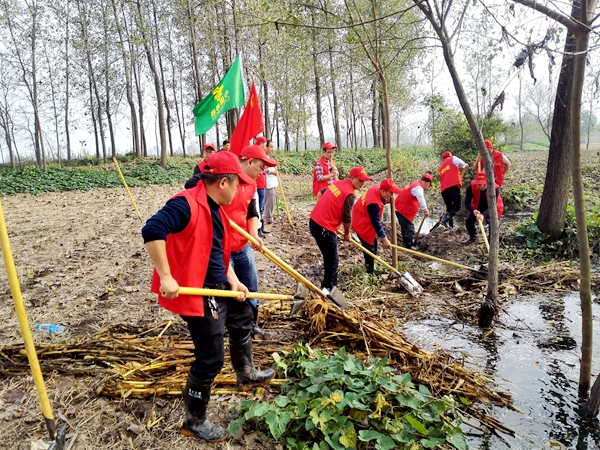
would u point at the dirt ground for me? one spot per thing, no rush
(82, 264)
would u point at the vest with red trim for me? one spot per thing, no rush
(497, 158)
(329, 210)
(406, 203)
(361, 221)
(237, 211)
(318, 185)
(477, 196)
(188, 253)
(449, 174)
(261, 181)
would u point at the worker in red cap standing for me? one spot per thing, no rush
(501, 163)
(188, 241)
(407, 205)
(476, 202)
(450, 184)
(334, 208)
(261, 186)
(325, 172)
(366, 218)
(208, 150)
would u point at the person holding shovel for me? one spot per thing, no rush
(188, 241)
(476, 202)
(366, 218)
(324, 172)
(334, 208)
(407, 205)
(450, 184)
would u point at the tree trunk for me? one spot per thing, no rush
(139, 94)
(374, 111)
(107, 84)
(67, 74)
(318, 89)
(353, 107)
(553, 205)
(336, 109)
(520, 114)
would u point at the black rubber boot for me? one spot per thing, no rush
(469, 240)
(242, 361)
(195, 399)
(256, 330)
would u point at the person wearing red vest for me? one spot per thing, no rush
(450, 184)
(324, 172)
(188, 241)
(501, 163)
(334, 208)
(407, 205)
(261, 185)
(366, 218)
(209, 149)
(476, 202)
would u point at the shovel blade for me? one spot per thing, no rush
(336, 297)
(410, 284)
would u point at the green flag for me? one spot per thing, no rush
(228, 94)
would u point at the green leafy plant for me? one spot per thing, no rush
(340, 403)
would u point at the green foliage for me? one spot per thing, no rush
(340, 403)
(521, 197)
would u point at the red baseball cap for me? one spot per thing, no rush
(427, 177)
(480, 178)
(225, 163)
(446, 154)
(360, 173)
(329, 146)
(209, 145)
(260, 140)
(257, 152)
(488, 144)
(389, 185)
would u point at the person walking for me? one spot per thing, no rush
(450, 185)
(408, 202)
(324, 171)
(366, 218)
(476, 202)
(175, 239)
(501, 163)
(334, 208)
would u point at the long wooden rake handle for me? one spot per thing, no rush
(485, 238)
(416, 238)
(434, 258)
(371, 254)
(287, 210)
(233, 294)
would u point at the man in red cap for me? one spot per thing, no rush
(209, 149)
(334, 208)
(501, 163)
(476, 202)
(325, 172)
(450, 184)
(188, 241)
(366, 218)
(261, 185)
(407, 205)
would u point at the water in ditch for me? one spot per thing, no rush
(534, 354)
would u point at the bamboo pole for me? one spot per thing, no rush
(485, 238)
(127, 188)
(287, 210)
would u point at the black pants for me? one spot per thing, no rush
(327, 242)
(451, 198)
(369, 261)
(407, 228)
(470, 224)
(207, 334)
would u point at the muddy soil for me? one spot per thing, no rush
(82, 264)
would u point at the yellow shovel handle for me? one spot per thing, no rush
(287, 210)
(371, 254)
(433, 258)
(485, 238)
(233, 294)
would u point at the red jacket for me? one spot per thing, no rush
(329, 210)
(477, 195)
(237, 211)
(318, 185)
(449, 174)
(188, 253)
(497, 157)
(406, 203)
(361, 222)
(261, 181)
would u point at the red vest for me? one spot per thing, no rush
(406, 203)
(318, 185)
(477, 195)
(237, 211)
(329, 209)
(361, 222)
(188, 253)
(261, 181)
(449, 174)
(498, 166)
(201, 164)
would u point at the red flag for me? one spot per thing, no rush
(250, 124)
